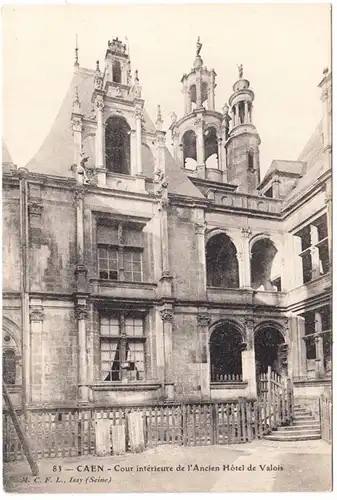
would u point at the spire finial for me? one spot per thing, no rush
(76, 53)
(76, 101)
(199, 46)
(97, 67)
(136, 77)
(240, 68)
(159, 119)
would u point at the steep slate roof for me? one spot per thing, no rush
(55, 156)
(6, 157)
(313, 157)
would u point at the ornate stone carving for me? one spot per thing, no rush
(78, 194)
(160, 139)
(198, 122)
(100, 105)
(77, 124)
(249, 322)
(81, 312)
(35, 208)
(98, 82)
(173, 118)
(204, 319)
(243, 346)
(166, 315)
(200, 228)
(175, 134)
(246, 232)
(36, 315)
(138, 113)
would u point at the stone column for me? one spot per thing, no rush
(36, 317)
(246, 111)
(200, 228)
(220, 153)
(99, 143)
(203, 355)
(199, 130)
(211, 103)
(187, 102)
(319, 345)
(300, 368)
(167, 319)
(81, 316)
(328, 198)
(248, 359)
(314, 252)
(198, 89)
(245, 257)
(138, 119)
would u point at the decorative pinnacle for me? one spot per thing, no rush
(159, 120)
(325, 71)
(225, 108)
(97, 67)
(76, 63)
(136, 77)
(76, 101)
(240, 68)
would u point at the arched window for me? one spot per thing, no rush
(211, 147)
(193, 96)
(241, 106)
(221, 262)
(117, 145)
(9, 366)
(189, 141)
(204, 95)
(250, 158)
(116, 72)
(225, 347)
(263, 268)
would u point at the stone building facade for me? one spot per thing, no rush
(137, 273)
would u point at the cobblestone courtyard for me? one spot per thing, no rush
(256, 467)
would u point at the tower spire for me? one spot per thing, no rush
(76, 63)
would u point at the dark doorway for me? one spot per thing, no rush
(225, 353)
(267, 349)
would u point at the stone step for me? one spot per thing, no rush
(295, 431)
(301, 412)
(304, 427)
(305, 419)
(304, 437)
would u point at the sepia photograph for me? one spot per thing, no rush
(167, 248)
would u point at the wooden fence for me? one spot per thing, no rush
(70, 433)
(325, 404)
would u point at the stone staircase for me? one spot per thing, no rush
(304, 428)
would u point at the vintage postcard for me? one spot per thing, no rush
(166, 322)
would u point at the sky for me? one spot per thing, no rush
(283, 49)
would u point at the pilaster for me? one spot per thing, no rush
(203, 355)
(166, 314)
(81, 314)
(35, 382)
(245, 258)
(248, 358)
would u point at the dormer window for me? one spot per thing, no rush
(117, 145)
(117, 72)
(250, 158)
